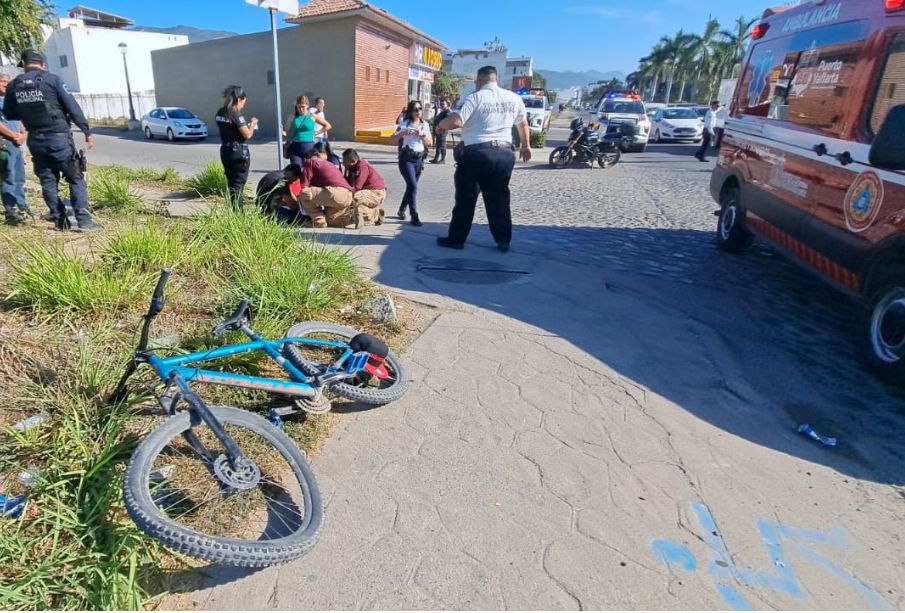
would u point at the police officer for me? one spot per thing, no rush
(234, 131)
(40, 101)
(486, 162)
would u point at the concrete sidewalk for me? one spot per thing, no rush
(532, 466)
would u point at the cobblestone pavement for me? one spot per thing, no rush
(604, 418)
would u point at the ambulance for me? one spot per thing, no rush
(813, 157)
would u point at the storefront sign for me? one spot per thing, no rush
(426, 56)
(419, 74)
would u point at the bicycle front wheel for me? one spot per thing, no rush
(313, 360)
(181, 489)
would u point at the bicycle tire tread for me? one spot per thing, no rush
(221, 551)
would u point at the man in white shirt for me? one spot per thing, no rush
(485, 164)
(709, 130)
(721, 115)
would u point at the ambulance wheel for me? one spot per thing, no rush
(884, 328)
(731, 233)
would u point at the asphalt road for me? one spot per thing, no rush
(610, 422)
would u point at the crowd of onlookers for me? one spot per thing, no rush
(327, 190)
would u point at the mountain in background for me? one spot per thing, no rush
(196, 35)
(557, 79)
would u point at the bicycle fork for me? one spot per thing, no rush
(200, 413)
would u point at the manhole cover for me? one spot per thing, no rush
(472, 272)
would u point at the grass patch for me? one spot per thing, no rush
(112, 192)
(149, 247)
(67, 332)
(287, 279)
(47, 280)
(74, 547)
(209, 182)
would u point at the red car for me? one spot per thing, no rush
(813, 156)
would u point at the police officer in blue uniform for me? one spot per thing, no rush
(40, 101)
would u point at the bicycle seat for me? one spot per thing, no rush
(241, 316)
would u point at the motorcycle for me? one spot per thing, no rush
(585, 146)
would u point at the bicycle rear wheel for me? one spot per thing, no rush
(313, 361)
(265, 512)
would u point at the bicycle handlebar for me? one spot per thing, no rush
(162, 282)
(158, 300)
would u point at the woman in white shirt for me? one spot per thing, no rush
(413, 135)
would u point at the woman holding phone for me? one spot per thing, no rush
(413, 135)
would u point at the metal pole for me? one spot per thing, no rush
(129, 90)
(276, 84)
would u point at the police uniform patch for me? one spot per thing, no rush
(863, 201)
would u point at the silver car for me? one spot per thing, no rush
(173, 122)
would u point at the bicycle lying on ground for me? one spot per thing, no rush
(222, 484)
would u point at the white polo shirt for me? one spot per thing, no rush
(489, 114)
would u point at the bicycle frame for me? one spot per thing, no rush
(301, 385)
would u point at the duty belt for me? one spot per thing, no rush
(493, 144)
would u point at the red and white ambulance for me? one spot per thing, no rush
(813, 157)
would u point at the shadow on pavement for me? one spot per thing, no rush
(750, 343)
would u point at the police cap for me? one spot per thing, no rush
(30, 56)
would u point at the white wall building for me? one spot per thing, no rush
(518, 67)
(85, 52)
(467, 62)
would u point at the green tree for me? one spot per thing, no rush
(538, 80)
(552, 96)
(592, 95)
(20, 24)
(447, 85)
(496, 45)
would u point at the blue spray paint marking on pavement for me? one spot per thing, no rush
(674, 554)
(784, 580)
(732, 597)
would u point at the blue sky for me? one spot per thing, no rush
(559, 34)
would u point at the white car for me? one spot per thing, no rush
(616, 111)
(539, 113)
(677, 123)
(173, 122)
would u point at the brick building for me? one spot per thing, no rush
(365, 62)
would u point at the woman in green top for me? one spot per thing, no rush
(299, 130)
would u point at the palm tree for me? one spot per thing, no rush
(655, 65)
(704, 54)
(675, 50)
(738, 37)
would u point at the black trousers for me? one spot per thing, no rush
(488, 171)
(440, 143)
(718, 140)
(53, 156)
(705, 143)
(236, 159)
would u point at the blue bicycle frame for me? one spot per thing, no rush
(300, 385)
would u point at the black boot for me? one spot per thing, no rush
(416, 221)
(401, 213)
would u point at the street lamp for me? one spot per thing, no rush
(123, 48)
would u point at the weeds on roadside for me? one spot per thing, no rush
(48, 280)
(74, 547)
(287, 279)
(113, 193)
(149, 247)
(209, 182)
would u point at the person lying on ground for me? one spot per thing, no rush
(277, 194)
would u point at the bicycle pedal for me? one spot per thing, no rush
(275, 418)
(284, 411)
